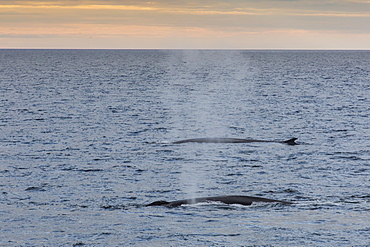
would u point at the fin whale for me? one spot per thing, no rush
(243, 200)
(231, 140)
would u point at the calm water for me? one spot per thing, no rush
(85, 143)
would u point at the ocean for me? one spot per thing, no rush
(86, 142)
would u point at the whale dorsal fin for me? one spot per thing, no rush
(291, 141)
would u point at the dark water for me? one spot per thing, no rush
(85, 143)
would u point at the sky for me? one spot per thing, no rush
(186, 24)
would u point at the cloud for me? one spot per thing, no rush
(186, 19)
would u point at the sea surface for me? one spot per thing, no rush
(85, 144)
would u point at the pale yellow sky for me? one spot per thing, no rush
(186, 24)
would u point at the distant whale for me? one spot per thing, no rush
(232, 140)
(243, 200)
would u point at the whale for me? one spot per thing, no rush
(233, 199)
(232, 140)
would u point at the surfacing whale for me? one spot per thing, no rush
(232, 140)
(243, 200)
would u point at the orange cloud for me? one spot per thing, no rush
(55, 6)
(167, 20)
(200, 10)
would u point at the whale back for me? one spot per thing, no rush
(234, 199)
(231, 140)
(158, 203)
